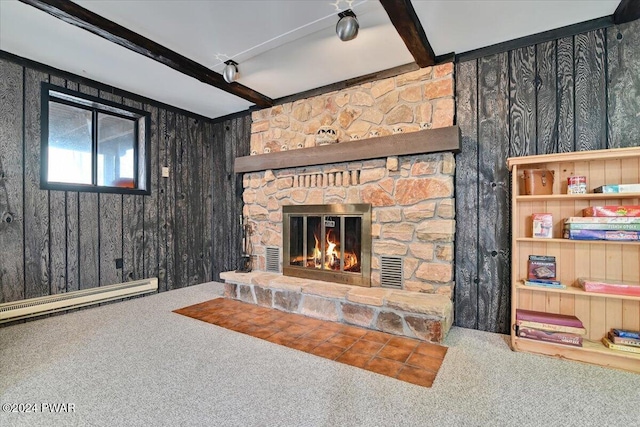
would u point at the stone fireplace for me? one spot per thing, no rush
(329, 242)
(410, 194)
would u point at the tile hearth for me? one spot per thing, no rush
(402, 358)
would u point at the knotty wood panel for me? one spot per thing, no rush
(36, 202)
(566, 115)
(11, 211)
(493, 192)
(133, 228)
(230, 140)
(110, 227)
(219, 176)
(546, 85)
(151, 202)
(57, 231)
(73, 231)
(196, 219)
(570, 97)
(181, 217)
(207, 201)
(162, 201)
(590, 92)
(89, 231)
(171, 254)
(522, 101)
(466, 289)
(624, 92)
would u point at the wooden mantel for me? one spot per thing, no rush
(402, 144)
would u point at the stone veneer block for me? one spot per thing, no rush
(319, 308)
(326, 289)
(419, 286)
(238, 278)
(263, 279)
(425, 329)
(287, 301)
(414, 302)
(390, 322)
(435, 272)
(245, 294)
(440, 230)
(230, 290)
(292, 284)
(368, 296)
(357, 314)
(264, 296)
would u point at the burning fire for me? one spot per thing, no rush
(332, 256)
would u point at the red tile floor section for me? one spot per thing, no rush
(406, 359)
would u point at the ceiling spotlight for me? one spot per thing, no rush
(347, 26)
(230, 72)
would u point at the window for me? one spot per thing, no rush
(89, 144)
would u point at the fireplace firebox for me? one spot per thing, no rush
(328, 242)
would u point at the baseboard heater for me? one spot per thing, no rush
(53, 303)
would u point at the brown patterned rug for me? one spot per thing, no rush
(402, 358)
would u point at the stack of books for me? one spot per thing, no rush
(623, 228)
(549, 327)
(623, 340)
(618, 188)
(609, 287)
(542, 272)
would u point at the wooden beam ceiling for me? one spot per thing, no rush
(404, 18)
(627, 11)
(74, 14)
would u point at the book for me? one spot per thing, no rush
(601, 226)
(626, 333)
(618, 188)
(549, 336)
(602, 287)
(542, 225)
(622, 236)
(542, 258)
(627, 348)
(612, 211)
(550, 327)
(602, 220)
(548, 318)
(541, 267)
(545, 284)
(623, 340)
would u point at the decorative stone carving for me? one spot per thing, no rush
(326, 135)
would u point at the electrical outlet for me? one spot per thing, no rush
(119, 263)
(165, 172)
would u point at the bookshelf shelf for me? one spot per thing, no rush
(580, 242)
(606, 259)
(589, 196)
(591, 352)
(575, 291)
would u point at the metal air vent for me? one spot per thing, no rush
(391, 268)
(273, 259)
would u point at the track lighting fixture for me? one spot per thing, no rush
(347, 26)
(230, 72)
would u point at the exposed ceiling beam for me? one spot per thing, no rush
(74, 14)
(627, 11)
(407, 24)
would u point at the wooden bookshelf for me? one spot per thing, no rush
(605, 260)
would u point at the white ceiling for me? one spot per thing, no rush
(283, 47)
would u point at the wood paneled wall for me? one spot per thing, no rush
(571, 94)
(52, 242)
